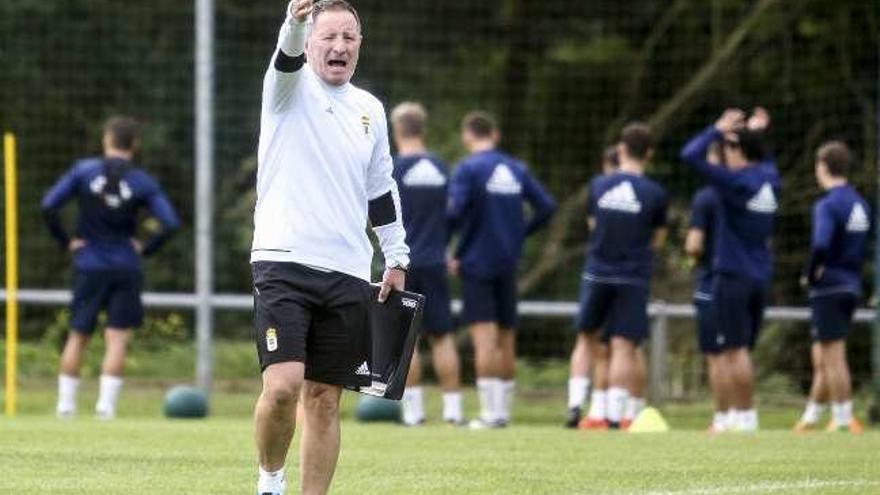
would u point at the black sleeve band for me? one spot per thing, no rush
(382, 210)
(286, 63)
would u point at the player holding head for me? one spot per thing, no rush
(700, 246)
(325, 171)
(422, 179)
(487, 197)
(110, 192)
(841, 225)
(627, 213)
(748, 187)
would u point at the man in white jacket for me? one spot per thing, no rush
(325, 173)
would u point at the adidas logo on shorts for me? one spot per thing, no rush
(363, 370)
(764, 201)
(621, 197)
(858, 219)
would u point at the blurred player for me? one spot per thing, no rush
(422, 179)
(841, 224)
(589, 358)
(700, 246)
(487, 197)
(110, 192)
(627, 212)
(748, 187)
(325, 172)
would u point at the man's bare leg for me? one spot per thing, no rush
(620, 377)
(275, 421)
(116, 342)
(819, 396)
(68, 373)
(487, 364)
(413, 404)
(507, 341)
(319, 447)
(448, 369)
(839, 382)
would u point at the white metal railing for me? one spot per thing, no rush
(660, 313)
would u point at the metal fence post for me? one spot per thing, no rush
(659, 335)
(204, 194)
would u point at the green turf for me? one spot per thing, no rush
(144, 454)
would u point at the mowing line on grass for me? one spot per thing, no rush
(767, 487)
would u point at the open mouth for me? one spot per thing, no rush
(337, 63)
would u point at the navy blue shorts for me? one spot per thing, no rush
(117, 291)
(621, 310)
(832, 316)
(739, 305)
(431, 282)
(490, 300)
(707, 327)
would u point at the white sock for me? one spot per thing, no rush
(634, 406)
(413, 406)
(577, 391)
(719, 421)
(747, 420)
(732, 417)
(271, 481)
(616, 403)
(598, 405)
(109, 394)
(67, 387)
(452, 410)
(486, 390)
(813, 412)
(508, 391)
(842, 412)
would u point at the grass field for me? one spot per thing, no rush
(144, 454)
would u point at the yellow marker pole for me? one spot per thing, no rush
(11, 270)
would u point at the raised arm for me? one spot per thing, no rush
(543, 205)
(694, 155)
(160, 208)
(51, 205)
(289, 57)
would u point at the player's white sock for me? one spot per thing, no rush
(634, 406)
(110, 386)
(271, 481)
(813, 412)
(452, 410)
(841, 412)
(747, 420)
(577, 391)
(508, 391)
(67, 387)
(719, 421)
(413, 406)
(732, 419)
(486, 391)
(616, 403)
(598, 405)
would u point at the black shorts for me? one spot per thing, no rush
(117, 291)
(490, 300)
(707, 327)
(739, 304)
(621, 310)
(832, 316)
(313, 317)
(431, 282)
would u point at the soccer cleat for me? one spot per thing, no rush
(413, 424)
(105, 414)
(854, 426)
(804, 427)
(481, 424)
(574, 418)
(455, 422)
(625, 424)
(593, 424)
(65, 413)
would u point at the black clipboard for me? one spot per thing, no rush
(394, 328)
